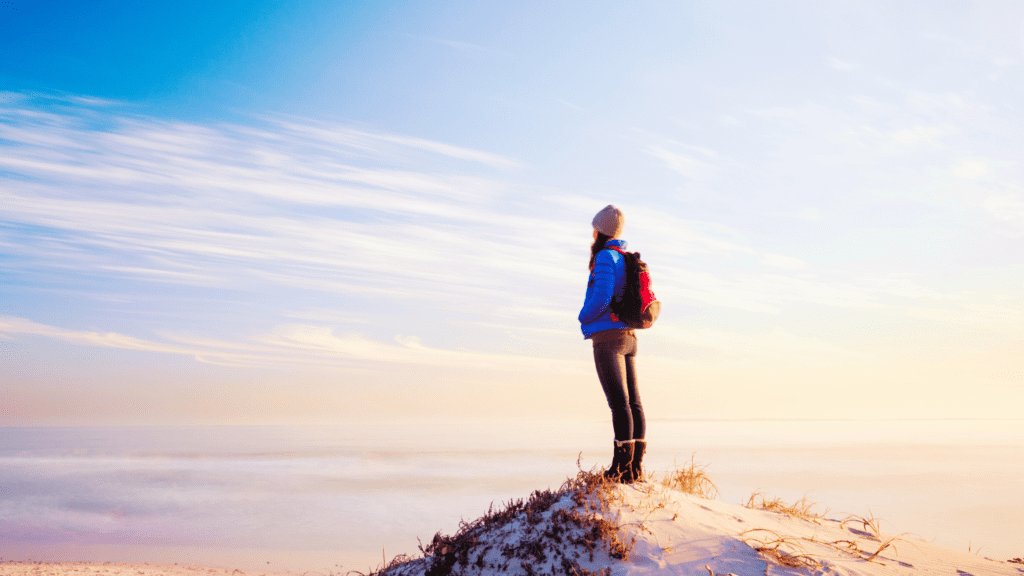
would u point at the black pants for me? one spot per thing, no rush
(615, 358)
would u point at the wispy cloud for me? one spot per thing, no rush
(712, 345)
(294, 344)
(225, 206)
(971, 168)
(462, 45)
(839, 64)
(411, 234)
(1008, 208)
(686, 165)
(10, 325)
(204, 201)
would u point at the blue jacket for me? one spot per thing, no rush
(606, 282)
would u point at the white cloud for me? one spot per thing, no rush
(1008, 317)
(931, 103)
(685, 165)
(919, 134)
(775, 345)
(203, 206)
(463, 46)
(315, 211)
(346, 136)
(971, 169)
(805, 213)
(783, 262)
(10, 326)
(837, 64)
(323, 342)
(296, 344)
(1008, 208)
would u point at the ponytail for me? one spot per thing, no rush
(598, 245)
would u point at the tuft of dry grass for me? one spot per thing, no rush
(548, 536)
(872, 527)
(800, 509)
(886, 544)
(691, 480)
(589, 525)
(594, 495)
(556, 530)
(771, 547)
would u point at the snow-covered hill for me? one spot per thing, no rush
(669, 526)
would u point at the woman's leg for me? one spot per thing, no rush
(636, 409)
(612, 372)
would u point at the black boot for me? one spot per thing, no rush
(636, 471)
(619, 469)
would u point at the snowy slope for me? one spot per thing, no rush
(653, 529)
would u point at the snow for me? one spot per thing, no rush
(668, 532)
(650, 528)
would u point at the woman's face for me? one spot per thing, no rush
(595, 233)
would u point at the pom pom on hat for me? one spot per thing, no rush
(609, 221)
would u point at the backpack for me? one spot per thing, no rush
(638, 307)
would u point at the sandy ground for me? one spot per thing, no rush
(16, 568)
(672, 533)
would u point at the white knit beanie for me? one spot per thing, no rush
(609, 221)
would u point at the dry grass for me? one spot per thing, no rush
(871, 525)
(800, 509)
(852, 547)
(589, 525)
(886, 544)
(548, 537)
(797, 557)
(594, 495)
(556, 539)
(691, 480)
(872, 528)
(771, 547)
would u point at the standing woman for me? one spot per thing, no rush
(614, 346)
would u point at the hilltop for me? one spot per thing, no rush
(670, 525)
(673, 525)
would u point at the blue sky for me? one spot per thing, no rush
(269, 212)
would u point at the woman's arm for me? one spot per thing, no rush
(600, 297)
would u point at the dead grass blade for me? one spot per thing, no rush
(772, 549)
(569, 533)
(891, 542)
(871, 525)
(691, 480)
(800, 509)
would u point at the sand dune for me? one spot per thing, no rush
(655, 528)
(14, 568)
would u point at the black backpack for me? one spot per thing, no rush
(638, 307)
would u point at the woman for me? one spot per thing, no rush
(614, 346)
